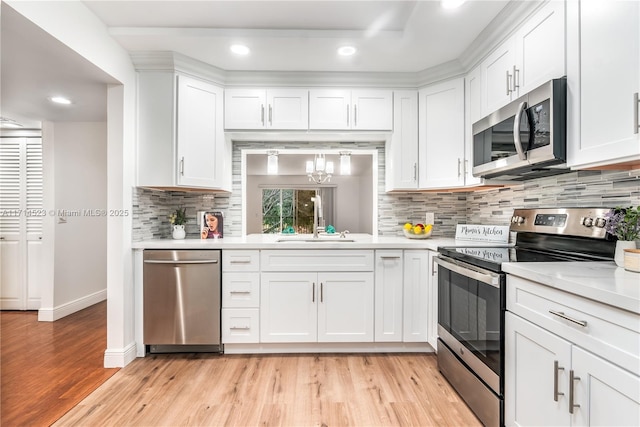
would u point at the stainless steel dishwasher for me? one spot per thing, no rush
(182, 294)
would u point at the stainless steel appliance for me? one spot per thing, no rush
(472, 296)
(526, 138)
(182, 296)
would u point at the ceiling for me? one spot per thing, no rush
(391, 36)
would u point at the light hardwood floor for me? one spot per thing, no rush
(288, 390)
(46, 368)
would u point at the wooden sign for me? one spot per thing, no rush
(483, 233)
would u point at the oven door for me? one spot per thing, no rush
(471, 305)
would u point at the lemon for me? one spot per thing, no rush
(417, 230)
(428, 228)
(408, 226)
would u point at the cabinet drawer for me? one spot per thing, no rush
(240, 260)
(608, 331)
(240, 290)
(317, 260)
(240, 325)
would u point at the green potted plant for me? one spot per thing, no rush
(178, 219)
(624, 224)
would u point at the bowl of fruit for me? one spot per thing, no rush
(417, 231)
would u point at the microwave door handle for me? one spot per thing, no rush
(516, 131)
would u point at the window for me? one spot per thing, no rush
(288, 207)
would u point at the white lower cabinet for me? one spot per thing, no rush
(389, 291)
(416, 296)
(316, 307)
(240, 317)
(550, 378)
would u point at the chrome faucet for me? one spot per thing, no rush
(317, 212)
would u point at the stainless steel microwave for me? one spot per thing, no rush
(525, 139)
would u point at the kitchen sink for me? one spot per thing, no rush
(311, 239)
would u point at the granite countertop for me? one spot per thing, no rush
(600, 281)
(269, 241)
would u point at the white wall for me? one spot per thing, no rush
(75, 25)
(80, 181)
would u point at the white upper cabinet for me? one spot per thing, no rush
(181, 141)
(401, 155)
(473, 108)
(337, 109)
(603, 70)
(278, 109)
(441, 135)
(532, 56)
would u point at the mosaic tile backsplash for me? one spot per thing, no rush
(151, 208)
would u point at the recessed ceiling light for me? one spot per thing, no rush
(346, 50)
(451, 4)
(240, 49)
(60, 100)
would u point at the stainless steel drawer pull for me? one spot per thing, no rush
(200, 261)
(240, 261)
(560, 314)
(313, 293)
(390, 257)
(245, 328)
(636, 107)
(321, 292)
(572, 378)
(556, 368)
(240, 292)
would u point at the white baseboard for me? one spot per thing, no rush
(328, 348)
(53, 314)
(119, 358)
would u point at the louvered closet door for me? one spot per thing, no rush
(20, 222)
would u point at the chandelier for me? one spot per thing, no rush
(319, 170)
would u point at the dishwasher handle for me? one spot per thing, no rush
(199, 261)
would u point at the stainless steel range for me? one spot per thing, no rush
(472, 296)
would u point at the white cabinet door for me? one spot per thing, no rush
(244, 108)
(372, 109)
(345, 309)
(288, 307)
(607, 394)
(388, 296)
(401, 157)
(530, 372)
(200, 138)
(416, 296)
(473, 110)
(329, 109)
(540, 54)
(497, 77)
(287, 109)
(337, 109)
(441, 135)
(603, 74)
(432, 315)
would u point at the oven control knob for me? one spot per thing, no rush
(518, 219)
(600, 222)
(587, 221)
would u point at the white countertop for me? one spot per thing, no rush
(600, 281)
(269, 241)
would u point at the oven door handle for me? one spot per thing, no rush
(479, 274)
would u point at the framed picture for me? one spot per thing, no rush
(211, 224)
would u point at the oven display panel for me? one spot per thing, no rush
(550, 220)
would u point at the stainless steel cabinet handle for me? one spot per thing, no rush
(390, 257)
(508, 83)
(321, 292)
(560, 314)
(636, 107)
(240, 261)
(556, 368)
(240, 292)
(262, 114)
(415, 172)
(355, 115)
(572, 378)
(347, 114)
(313, 292)
(245, 328)
(182, 166)
(200, 261)
(516, 131)
(270, 115)
(516, 77)
(459, 163)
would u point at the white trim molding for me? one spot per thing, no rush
(55, 313)
(121, 357)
